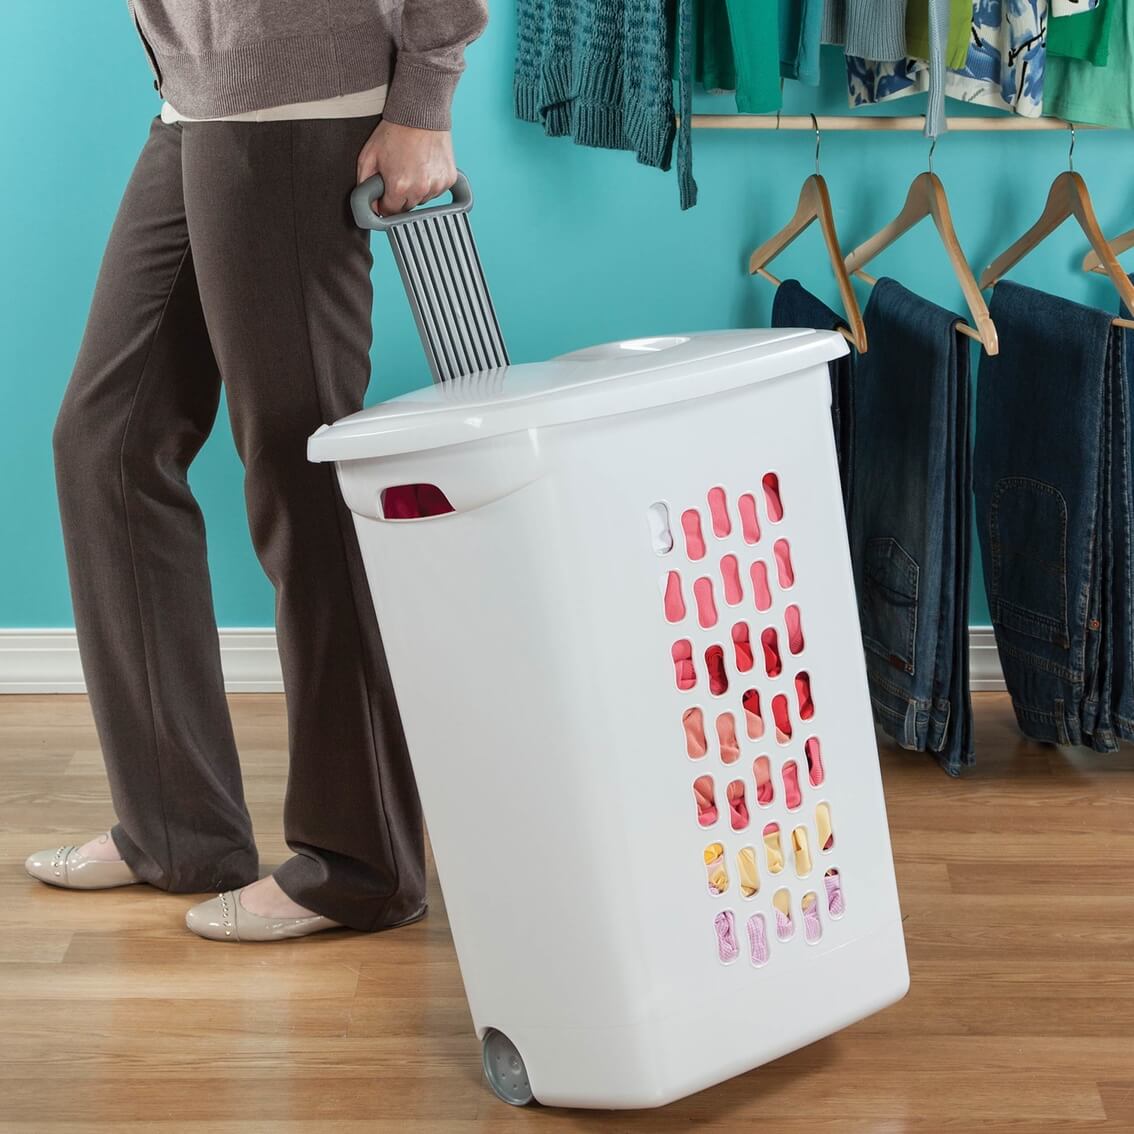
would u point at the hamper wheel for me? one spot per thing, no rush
(504, 1069)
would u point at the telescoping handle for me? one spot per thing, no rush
(374, 188)
(444, 280)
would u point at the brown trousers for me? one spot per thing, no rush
(234, 260)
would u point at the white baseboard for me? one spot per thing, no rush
(985, 674)
(47, 661)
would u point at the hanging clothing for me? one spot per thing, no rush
(735, 49)
(871, 29)
(1052, 475)
(1006, 60)
(1081, 92)
(1004, 66)
(755, 37)
(800, 23)
(957, 44)
(795, 306)
(870, 80)
(578, 75)
(910, 520)
(1085, 36)
(713, 62)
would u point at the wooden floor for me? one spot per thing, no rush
(1017, 884)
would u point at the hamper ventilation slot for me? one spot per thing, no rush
(794, 629)
(674, 600)
(684, 672)
(753, 719)
(772, 500)
(730, 574)
(814, 761)
(726, 737)
(706, 606)
(758, 940)
(715, 868)
(661, 535)
(748, 875)
(761, 592)
(781, 905)
(773, 848)
(749, 524)
(801, 851)
(833, 884)
(824, 828)
(812, 926)
(793, 797)
(727, 948)
(803, 694)
(737, 805)
(781, 717)
(705, 796)
(718, 513)
(742, 646)
(693, 721)
(414, 502)
(714, 665)
(694, 540)
(784, 569)
(762, 774)
(773, 665)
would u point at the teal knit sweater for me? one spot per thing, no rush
(600, 72)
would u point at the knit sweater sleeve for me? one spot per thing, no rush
(876, 29)
(430, 59)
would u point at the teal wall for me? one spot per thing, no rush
(580, 246)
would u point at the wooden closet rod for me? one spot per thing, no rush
(873, 122)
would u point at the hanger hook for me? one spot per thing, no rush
(1071, 150)
(818, 138)
(932, 140)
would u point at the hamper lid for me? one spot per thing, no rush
(599, 381)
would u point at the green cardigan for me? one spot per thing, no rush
(599, 72)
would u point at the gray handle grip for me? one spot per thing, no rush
(373, 188)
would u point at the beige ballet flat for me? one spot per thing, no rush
(223, 918)
(66, 867)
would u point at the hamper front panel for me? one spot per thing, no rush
(757, 675)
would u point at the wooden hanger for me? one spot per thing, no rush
(1068, 197)
(926, 198)
(1120, 244)
(815, 205)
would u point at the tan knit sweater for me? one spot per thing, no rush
(219, 57)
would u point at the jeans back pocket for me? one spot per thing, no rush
(1027, 529)
(888, 603)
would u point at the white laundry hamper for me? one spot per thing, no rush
(630, 671)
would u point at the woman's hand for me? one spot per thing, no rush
(416, 165)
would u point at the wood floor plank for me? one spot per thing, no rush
(1019, 918)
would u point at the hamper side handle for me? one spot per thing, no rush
(467, 486)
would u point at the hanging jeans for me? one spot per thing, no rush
(794, 306)
(1052, 480)
(910, 520)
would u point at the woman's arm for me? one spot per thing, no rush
(412, 148)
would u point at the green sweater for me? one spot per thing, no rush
(598, 71)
